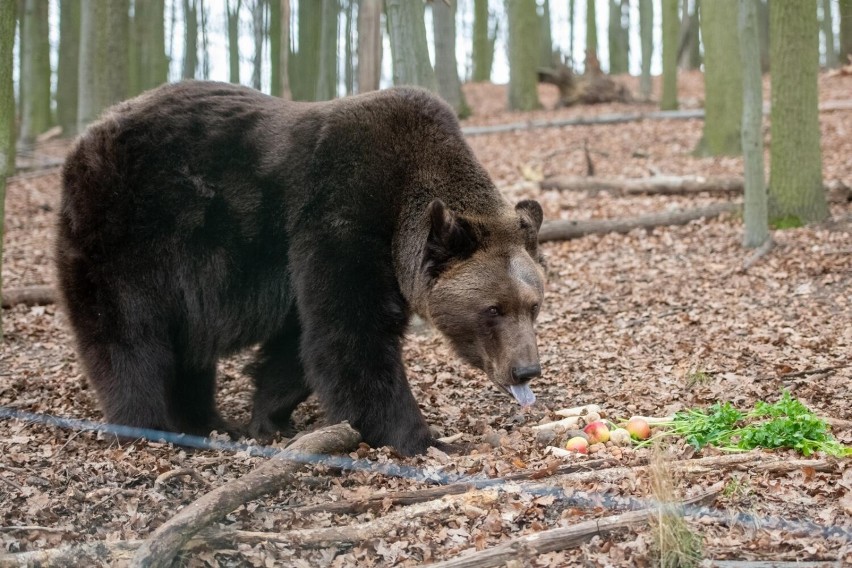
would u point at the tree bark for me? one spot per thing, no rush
(545, 36)
(523, 55)
(91, 98)
(646, 34)
(284, 57)
(7, 114)
(671, 23)
(232, 14)
(116, 46)
(349, 63)
(152, 64)
(591, 62)
(795, 180)
(258, 32)
(68, 67)
(160, 548)
(275, 48)
(369, 45)
(566, 230)
(828, 34)
(446, 67)
(755, 214)
(723, 81)
(327, 79)
(481, 42)
(190, 35)
(35, 73)
(409, 50)
(306, 62)
(845, 32)
(618, 38)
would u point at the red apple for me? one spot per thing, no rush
(638, 429)
(597, 432)
(577, 444)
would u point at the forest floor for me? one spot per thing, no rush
(649, 322)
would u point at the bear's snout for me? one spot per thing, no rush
(526, 372)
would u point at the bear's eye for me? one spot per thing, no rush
(493, 311)
(534, 310)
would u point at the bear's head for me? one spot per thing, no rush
(486, 287)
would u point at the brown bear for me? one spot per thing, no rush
(201, 218)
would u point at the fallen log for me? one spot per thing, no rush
(836, 190)
(568, 229)
(561, 538)
(29, 296)
(165, 542)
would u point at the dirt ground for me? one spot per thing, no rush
(648, 323)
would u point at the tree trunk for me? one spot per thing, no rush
(116, 36)
(446, 67)
(591, 37)
(481, 42)
(795, 179)
(618, 45)
(763, 30)
(409, 51)
(67, 68)
(151, 63)
(671, 24)
(258, 32)
(845, 32)
(7, 114)
(92, 80)
(646, 33)
(306, 62)
(723, 81)
(828, 34)
(523, 55)
(754, 207)
(35, 73)
(349, 63)
(571, 29)
(327, 79)
(205, 46)
(190, 28)
(275, 48)
(284, 57)
(370, 45)
(232, 13)
(695, 59)
(545, 36)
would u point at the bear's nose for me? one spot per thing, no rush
(525, 373)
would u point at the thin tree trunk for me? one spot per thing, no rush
(618, 56)
(67, 68)
(754, 207)
(306, 62)
(592, 62)
(446, 67)
(92, 95)
(349, 63)
(257, 32)
(795, 180)
(845, 32)
(275, 48)
(545, 36)
(369, 45)
(205, 51)
(190, 28)
(646, 33)
(232, 13)
(409, 50)
(116, 36)
(523, 56)
(763, 30)
(695, 59)
(7, 114)
(723, 96)
(35, 73)
(150, 33)
(668, 100)
(481, 67)
(828, 34)
(327, 79)
(284, 57)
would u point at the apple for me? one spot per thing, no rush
(577, 444)
(597, 432)
(639, 429)
(620, 437)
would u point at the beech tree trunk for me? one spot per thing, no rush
(618, 38)
(369, 45)
(409, 50)
(284, 57)
(446, 67)
(754, 209)
(190, 30)
(7, 114)
(274, 26)
(845, 32)
(116, 39)
(523, 55)
(723, 81)
(671, 24)
(68, 66)
(232, 14)
(795, 180)
(483, 45)
(646, 34)
(828, 34)
(327, 79)
(92, 78)
(306, 61)
(591, 37)
(149, 32)
(35, 73)
(545, 36)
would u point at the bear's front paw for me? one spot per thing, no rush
(265, 430)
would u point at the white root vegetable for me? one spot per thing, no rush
(652, 420)
(559, 452)
(578, 410)
(565, 424)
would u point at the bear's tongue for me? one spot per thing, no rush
(523, 394)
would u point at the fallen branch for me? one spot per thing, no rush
(29, 296)
(836, 190)
(561, 538)
(162, 546)
(567, 229)
(758, 253)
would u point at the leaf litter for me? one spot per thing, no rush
(652, 322)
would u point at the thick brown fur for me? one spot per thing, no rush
(201, 218)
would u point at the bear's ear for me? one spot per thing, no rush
(451, 236)
(531, 216)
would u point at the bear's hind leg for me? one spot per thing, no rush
(193, 401)
(279, 381)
